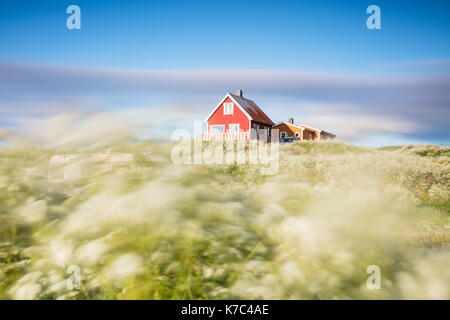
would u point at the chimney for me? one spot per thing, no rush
(291, 120)
(239, 93)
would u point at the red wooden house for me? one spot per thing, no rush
(235, 117)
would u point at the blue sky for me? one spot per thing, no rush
(338, 71)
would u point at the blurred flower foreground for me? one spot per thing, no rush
(130, 224)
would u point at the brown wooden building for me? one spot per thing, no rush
(301, 132)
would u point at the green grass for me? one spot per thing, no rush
(227, 231)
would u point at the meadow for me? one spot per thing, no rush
(167, 231)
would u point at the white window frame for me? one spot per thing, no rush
(211, 127)
(283, 134)
(236, 127)
(228, 108)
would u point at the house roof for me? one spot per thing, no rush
(249, 107)
(310, 128)
(252, 109)
(304, 127)
(320, 131)
(288, 124)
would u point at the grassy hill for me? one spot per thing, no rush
(171, 231)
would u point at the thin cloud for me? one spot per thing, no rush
(384, 104)
(349, 127)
